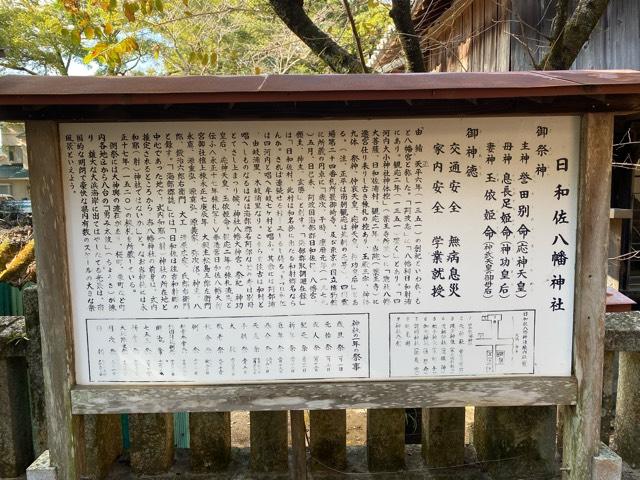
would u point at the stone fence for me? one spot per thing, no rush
(507, 442)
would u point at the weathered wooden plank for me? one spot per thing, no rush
(522, 438)
(443, 436)
(298, 445)
(302, 396)
(627, 422)
(622, 331)
(385, 439)
(582, 421)
(210, 435)
(269, 441)
(56, 324)
(328, 439)
(151, 443)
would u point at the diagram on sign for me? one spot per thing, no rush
(461, 343)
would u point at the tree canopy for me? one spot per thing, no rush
(188, 37)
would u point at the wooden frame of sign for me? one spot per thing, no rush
(580, 394)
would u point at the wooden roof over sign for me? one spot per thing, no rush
(23, 97)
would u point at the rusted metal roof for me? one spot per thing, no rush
(33, 90)
(314, 96)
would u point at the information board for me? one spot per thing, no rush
(247, 251)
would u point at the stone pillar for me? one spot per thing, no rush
(528, 433)
(443, 436)
(385, 439)
(627, 431)
(210, 435)
(34, 363)
(607, 465)
(269, 441)
(607, 417)
(328, 439)
(151, 436)
(103, 444)
(16, 450)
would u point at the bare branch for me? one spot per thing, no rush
(355, 35)
(401, 16)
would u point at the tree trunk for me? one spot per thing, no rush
(292, 13)
(575, 33)
(401, 15)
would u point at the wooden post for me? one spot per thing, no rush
(328, 439)
(56, 324)
(582, 421)
(269, 442)
(210, 434)
(443, 436)
(385, 439)
(298, 445)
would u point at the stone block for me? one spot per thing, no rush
(524, 438)
(210, 435)
(385, 439)
(103, 444)
(16, 449)
(607, 465)
(34, 362)
(443, 436)
(151, 436)
(328, 439)
(269, 441)
(41, 468)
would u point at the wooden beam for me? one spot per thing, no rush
(449, 392)
(582, 421)
(65, 430)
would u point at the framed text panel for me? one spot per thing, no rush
(248, 251)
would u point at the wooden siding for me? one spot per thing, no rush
(503, 35)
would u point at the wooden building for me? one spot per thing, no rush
(512, 35)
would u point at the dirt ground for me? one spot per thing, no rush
(356, 427)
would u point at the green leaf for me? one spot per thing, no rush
(75, 36)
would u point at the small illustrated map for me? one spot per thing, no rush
(461, 343)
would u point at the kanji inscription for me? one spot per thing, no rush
(234, 251)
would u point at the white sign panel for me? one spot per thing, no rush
(247, 251)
